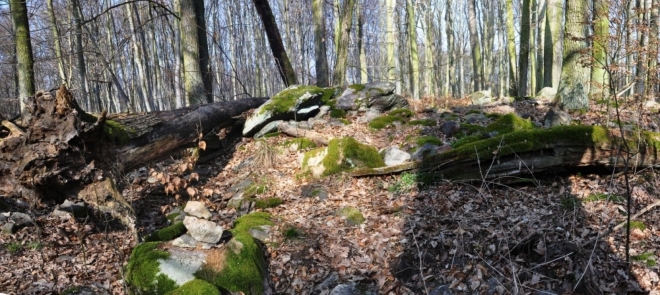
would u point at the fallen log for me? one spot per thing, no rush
(535, 151)
(63, 152)
(294, 131)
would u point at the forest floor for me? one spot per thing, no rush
(546, 236)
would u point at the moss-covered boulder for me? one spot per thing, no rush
(343, 154)
(293, 103)
(238, 266)
(378, 96)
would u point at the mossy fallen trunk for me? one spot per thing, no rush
(64, 152)
(534, 151)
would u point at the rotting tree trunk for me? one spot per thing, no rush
(524, 153)
(66, 152)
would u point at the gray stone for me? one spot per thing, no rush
(394, 156)
(3, 218)
(197, 209)
(506, 100)
(68, 208)
(181, 265)
(424, 151)
(450, 128)
(185, 241)
(305, 106)
(270, 127)
(369, 116)
(328, 283)
(547, 92)
(241, 186)
(385, 103)
(21, 219)
(441, 290)
(348, 100)
(9, 228)
(336, 123)
(481, 97)
(555, 117)
(352, 99)
(261, 233)
(203, 230)
(475, 117)
(345, 289)
(302, 125)
(323, 110)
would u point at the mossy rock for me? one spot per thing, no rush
(357, 87)
(243, 266)
(405, 113)
(267, 203)
(196, 287)
(423, 122)
(167, 234)
(422, 140)
(286, 100)
(386, 121)
(337, 113)
(353, 215)
(510, 123)
(341, 155)
(143, 272)
(301, 143)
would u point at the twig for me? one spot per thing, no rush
(421, 262)
(623, 223)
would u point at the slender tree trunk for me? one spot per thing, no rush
(138, 61)
(574, 83)
(390, 6)
(475, 47)
(511, 49)
(321, 58)
(346, 20)
(364, 71)
(414, 55)
(429, 53)
(194, 45)
(552, 51)
(80, 54)
(523, 62)
(25, 71)
(451, 79)
(532, 51)
(599, 76)
(56, 41)
(653, 45)
(275, 39)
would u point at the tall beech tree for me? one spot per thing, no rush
(23, 51)
(344, 35)
(198, 81)
(574, 83)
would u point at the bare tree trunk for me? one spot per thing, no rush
(198, 82)
(364, 71)
(80, 54)
(321, 58)
(25, 71)
(414, 55)
(390, 6)
(574, 83)
(475, 47)
(56, 40)
(523, 63)
(552, 50)
(511, 49)
(346, 21)
(275, 40)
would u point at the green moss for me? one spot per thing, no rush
(271, 134)
(311, 154)
(14, 247)
(648, 258)
(166, 234)
(69, 291)
(604, 197)
(291, 232)
(346, 122)
(406, 113)
(385, 121)
(328, 94)
(331, 103)
(469, 129)
(337, 113)
(118, 132)
(494, 116)
(357, 87)
(510, 123)
(422, 140)
(253, 190)
(346, 153)
(196, 287)
(423, 122)
(302, 143)
(287, 99)
(243, 270)
(143, 268)
(353, 216)
(267, 203)
(173, 216)
(638, 225)
(473, 112)
(466, 140)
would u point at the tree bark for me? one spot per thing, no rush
(574, 81)
(321, 58)
(197, 78)
(414, 54)
(67, 152)
(475, 47)
(23, 52)
(523, 62)
(511, 49)
(56, 41)
(345, 24)
(599, 74)
(275, 39)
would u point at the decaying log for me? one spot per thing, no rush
(64, 152)
(528, 152)
(294, 131)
